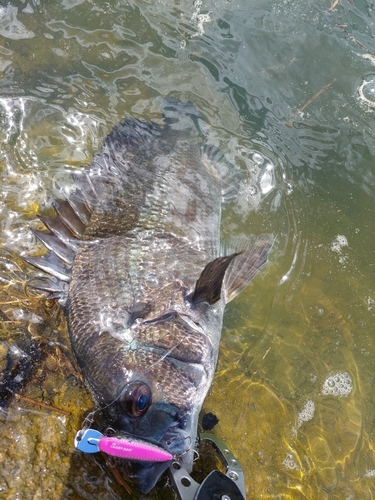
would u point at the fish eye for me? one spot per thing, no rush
(136, 399)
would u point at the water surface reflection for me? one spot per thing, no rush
(70, 71)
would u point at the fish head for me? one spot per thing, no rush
(168, 373)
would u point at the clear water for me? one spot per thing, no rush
(287, 89)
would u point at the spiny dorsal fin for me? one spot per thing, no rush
(208, 286)
(51, 264)
(56, 289)
(54, 244)
(77, 201)
(66, 229)
(69, 217)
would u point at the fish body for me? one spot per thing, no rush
(135, 259)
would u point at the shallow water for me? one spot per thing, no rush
(287, 91)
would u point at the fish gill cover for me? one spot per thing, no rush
(134, 258)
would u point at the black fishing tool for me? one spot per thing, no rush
(216, 486)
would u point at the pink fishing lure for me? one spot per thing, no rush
(92, 441)
(133, 450)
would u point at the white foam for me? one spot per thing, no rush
(366, 90)
(289, 463)
(307, 413)
(340, 385)
(267, 181)
(338, 243)
(199, 18)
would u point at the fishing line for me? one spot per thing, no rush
(90, 417)
(163, 357)
(188, 450)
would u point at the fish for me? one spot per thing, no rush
(136, 261)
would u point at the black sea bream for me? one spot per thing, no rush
(135, 259)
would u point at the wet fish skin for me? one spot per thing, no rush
(147, 284)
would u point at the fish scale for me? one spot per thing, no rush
(134, 259)
(122, 292)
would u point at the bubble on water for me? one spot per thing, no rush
(367, 90)
(18, 314)
(338, 243)
(258, 159)
(289, 463)
(307, 413)
(370, 302)
(258, 182)
(152, 281)
(200, 18)
(267, 179)
(370, 473)
(340, 385)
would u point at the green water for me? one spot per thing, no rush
(286, 89)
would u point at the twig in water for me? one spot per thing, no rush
(265, 354)
(111, 466)
(43, 405)
(313, 98)
(334, 4)
(15, 302)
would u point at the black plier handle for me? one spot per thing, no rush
(228, 486)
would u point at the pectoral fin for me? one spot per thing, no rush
(234, 272)
(249, 261)
(208, 286)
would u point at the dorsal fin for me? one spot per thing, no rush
(50, 264)
(69, 217)
(208, 286)
(66, 229)
(77, 201)
(100, 204)
(54, 244)
(59, 229)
